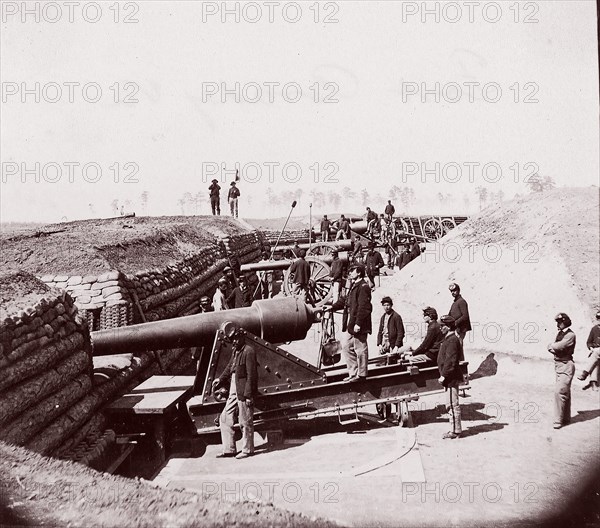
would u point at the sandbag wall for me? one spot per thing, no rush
(46, 389)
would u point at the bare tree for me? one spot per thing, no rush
(144, 201)
(364, 197)
(114, 206)
(482, 194)
(334, 199)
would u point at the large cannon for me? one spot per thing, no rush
(276, 320)
(168, 409)
(321, 287)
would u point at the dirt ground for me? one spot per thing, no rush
(511, 468)
(38, 491)
(95, 246)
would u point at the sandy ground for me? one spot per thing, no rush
(511, 467)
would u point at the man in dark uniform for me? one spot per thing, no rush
(337, 274)
(241, 376)
(357, 254)
(300, 274)
(343, 232)
(215, 197)
(449, 357)
(562, 349)
(373, 263)
(206, 304)
(391, 329)
(241, 296)
(415, 249)
(403, 257)
(231, 280)
(460, 312)
(325, 225)
(389, 210)
(356, 321)
(427, 351)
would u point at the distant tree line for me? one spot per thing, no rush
(404, 198)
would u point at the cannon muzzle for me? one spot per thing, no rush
(274, 320)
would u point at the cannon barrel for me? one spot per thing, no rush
(270, 265)
(359, 227)
(274, 320)
(345, 245)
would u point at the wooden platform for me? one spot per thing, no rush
(155, 396)
(152, 409)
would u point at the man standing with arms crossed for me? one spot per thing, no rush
(562, 349)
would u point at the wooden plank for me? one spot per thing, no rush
(164, 382)
(154, 396)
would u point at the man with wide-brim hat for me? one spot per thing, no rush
(232, 197)
(215, 197)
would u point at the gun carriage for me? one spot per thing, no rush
(289, 386)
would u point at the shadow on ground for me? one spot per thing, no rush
(488, 367)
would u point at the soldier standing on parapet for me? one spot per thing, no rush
(232, 197)
(389, 210)
(325, 225)
(215, 197)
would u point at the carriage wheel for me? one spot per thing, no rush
(448, 224)
(433, 229)
(322, 250)
(320, 285)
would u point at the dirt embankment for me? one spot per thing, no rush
(518, 264)
(95, 246)
(43, 491)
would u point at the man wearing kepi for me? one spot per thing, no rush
(241, 375)
(449, 357)
(459, 311)
(427, 351)
(356, 321)
(391, 329)
(562, 349)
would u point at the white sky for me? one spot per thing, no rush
(370, 133)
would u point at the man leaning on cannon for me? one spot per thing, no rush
(241, 376)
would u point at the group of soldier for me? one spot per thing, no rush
(442, 345)
(232, 197)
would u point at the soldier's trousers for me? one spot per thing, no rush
(453, 406)
(227, 420)
(356, 354)
(565, 371)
